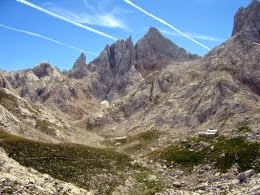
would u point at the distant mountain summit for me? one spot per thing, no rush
(222, 87)
(80, 62)
(45, 69)
(153, 51)
(79, 69)
(138, 99)
(154, 43)
(120, 65)
(154, 82)
(111, 70)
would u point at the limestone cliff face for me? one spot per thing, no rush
(33, 83)
(247, 22)
(80, 62)
(240, 54)
(79, 69)
(45, 84)
(110, 74)
(19, 116)
(155, 83)
(113, 70)
(221, 87)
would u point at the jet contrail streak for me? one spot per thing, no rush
(66, 19)
(46, 38)
(165, 23)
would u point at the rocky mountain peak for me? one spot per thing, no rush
(154, 50)
(111, 67)
(129, 40)
(116, 58)
(167, 108)
(123, 54)
(43, 69)
(247, 21)
(80, 62)
(154, 42)
(153, 32)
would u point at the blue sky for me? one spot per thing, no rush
(60, 40)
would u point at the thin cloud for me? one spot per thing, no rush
(166, 23)
(103, 19)
(192, 35)
(46, 38)
(66, 19)
(110, 20)
(88, 5)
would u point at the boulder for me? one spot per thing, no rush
(242, 177)
(104, 104)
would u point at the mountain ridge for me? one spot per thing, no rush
(123, 67)
(147, 103)
(229, 71)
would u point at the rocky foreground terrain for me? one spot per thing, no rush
(16, 179)
(128, 122)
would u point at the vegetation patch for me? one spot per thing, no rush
(87, 167)
(244, 127)
(136, 143)
(145, 137)
(45, 127)
(140, 142)
(146, 185)
(238, 150)
(222, 153)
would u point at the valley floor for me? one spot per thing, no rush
(31, 167)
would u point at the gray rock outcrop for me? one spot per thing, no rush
(112, 70)
(44, 69)
(79, 69)
(111, 73)
(224, 85)
(242, 177)
(17, 179)
(155, 83)
(247, 22)
(152, 86)
(240, 54)
(154, 52)
(80, 62)
(47, 85)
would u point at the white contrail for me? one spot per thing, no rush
(66, 19)
(165, 23)
(192, 35)
(46, 38)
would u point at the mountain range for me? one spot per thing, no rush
(130, 89)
